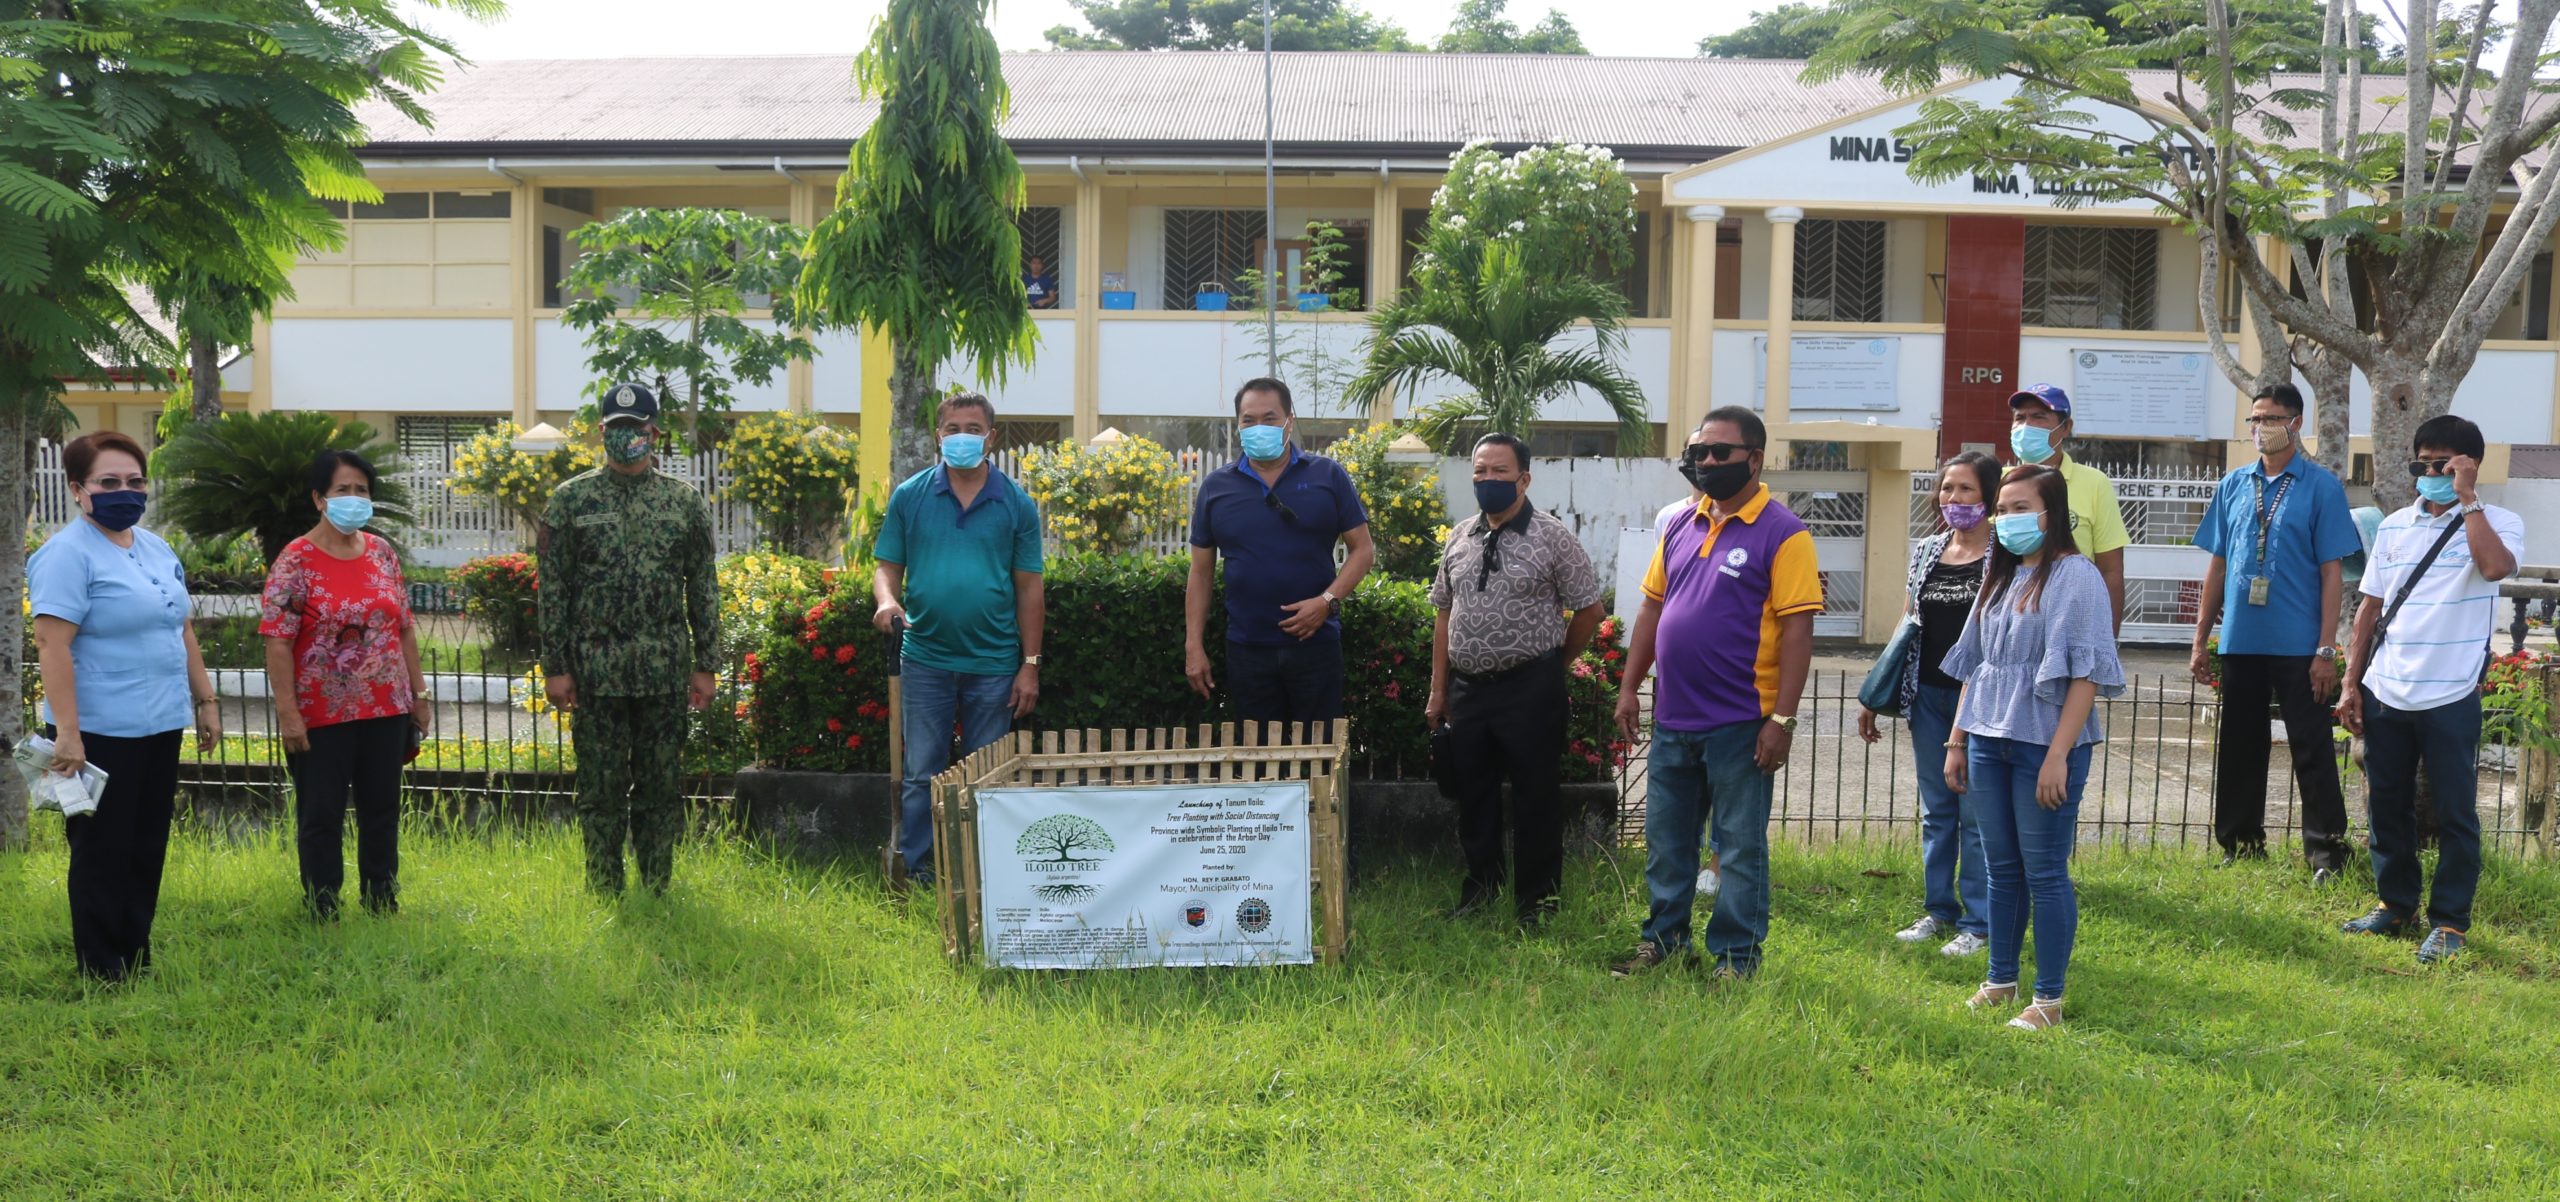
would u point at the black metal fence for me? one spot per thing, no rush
(2151, 781)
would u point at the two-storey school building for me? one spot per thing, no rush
(1785, 260)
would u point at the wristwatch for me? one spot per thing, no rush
(1031, 661)
(1332, 604)
(2470, 508)
(1786, 722)
(2326, 653)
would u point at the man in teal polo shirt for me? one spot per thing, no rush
(959, 553)
(2280, 530)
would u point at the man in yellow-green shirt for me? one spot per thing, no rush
(2039, 423)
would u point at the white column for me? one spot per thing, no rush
(1782, 321)
(1697, 331)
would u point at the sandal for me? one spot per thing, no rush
(2040, 1014)
(1992, 995)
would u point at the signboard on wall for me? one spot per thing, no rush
(1138, 876)
(1831, 373)
(2141, 394)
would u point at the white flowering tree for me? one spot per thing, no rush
(1519, 250)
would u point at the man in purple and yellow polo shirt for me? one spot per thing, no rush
(1728, 615)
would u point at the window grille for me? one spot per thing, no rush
(2086, 277)
(1840, 271)
(1207, 246)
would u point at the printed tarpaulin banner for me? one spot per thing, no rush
(1138, 876)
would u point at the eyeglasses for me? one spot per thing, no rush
(119, 483)
(1272, 501)
(2430, 467)
(1712, 452)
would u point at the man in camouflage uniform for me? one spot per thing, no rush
(630, 621)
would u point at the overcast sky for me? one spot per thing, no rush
(621, 28)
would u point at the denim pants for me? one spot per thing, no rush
(931, 702)
(1708, 773)
(1951, 872)
(1296, 682)
(2445, 741)
(2027, 849)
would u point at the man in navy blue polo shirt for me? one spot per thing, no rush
(959, 553)
(2280, 530)
(1275, 515)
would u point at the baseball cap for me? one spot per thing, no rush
(2048, 395)
(628, 402)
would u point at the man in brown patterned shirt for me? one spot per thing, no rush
(1500, 648)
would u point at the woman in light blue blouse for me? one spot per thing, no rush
(123, 679)
(2036, 654)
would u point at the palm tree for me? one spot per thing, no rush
(247, 472)
(1479, 316)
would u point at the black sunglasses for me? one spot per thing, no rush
(2430, 467)
(1711, 452)
(1272, 500)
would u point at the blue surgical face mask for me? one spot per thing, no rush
(2021, 533)
(2034, 444)
(964, 451)
(1494, 496)
(118, 510)
(1264, 442)
(349, 514)
(2436, 489)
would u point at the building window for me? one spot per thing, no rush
(395, 206)
(1038, 227)
(481, 206)
(1840, 271)
(2087, 277)
(429, 442)
(1207, 246)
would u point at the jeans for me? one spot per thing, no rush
(1295, 682)
(1951, 872)
(2249, 684)
(1709, 772)
(931, 701)
(118, 850)
(362, 758)
(2028, 851)
(2446, 741)
(1511, 724)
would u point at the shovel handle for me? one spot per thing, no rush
(897, 646)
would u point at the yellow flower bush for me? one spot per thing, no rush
(1407, 514)
(797, 473)
(1105, 500)
(521, 481)
(754, 587)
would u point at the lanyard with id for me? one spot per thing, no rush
(2268, 514)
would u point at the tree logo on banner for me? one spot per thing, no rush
(1052, 844)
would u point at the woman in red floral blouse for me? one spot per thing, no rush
(342, 665)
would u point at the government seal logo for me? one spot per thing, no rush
(1253, 916)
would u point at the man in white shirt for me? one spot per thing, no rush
(2413, 682)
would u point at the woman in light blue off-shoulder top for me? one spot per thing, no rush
(2036, 654)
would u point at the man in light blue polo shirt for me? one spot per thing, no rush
(959, 553)
(2280, 531)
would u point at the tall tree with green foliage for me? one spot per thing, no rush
(1518, 253)
(922, 241)
(692, 274)
(1227, 25)
(1485, 27)
(1800, 31)
(2385, 263)
(140, 138)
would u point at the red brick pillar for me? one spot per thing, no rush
(1986, 272)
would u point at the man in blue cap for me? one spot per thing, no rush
(2039, 424)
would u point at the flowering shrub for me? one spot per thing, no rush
(1105, 499)
(1563, 209)
(756, 587)
(1592, 748)
(501, 592)
(797, 473)
(520, 481)
(1408, 517)
(817, 689)
(2517, 710)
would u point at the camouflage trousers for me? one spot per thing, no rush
(629, 750)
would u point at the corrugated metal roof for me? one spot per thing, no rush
(1185, 100)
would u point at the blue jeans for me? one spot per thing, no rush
(932, 701)
(2028, 851)
(1708, 773)
(2445, 741)
(1951, 873)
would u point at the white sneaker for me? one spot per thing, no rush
(1708, 880)
(1965, 943)
(1925, 929)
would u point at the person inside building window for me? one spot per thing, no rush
(1039, 283)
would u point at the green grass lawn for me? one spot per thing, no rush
(781, 1031)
